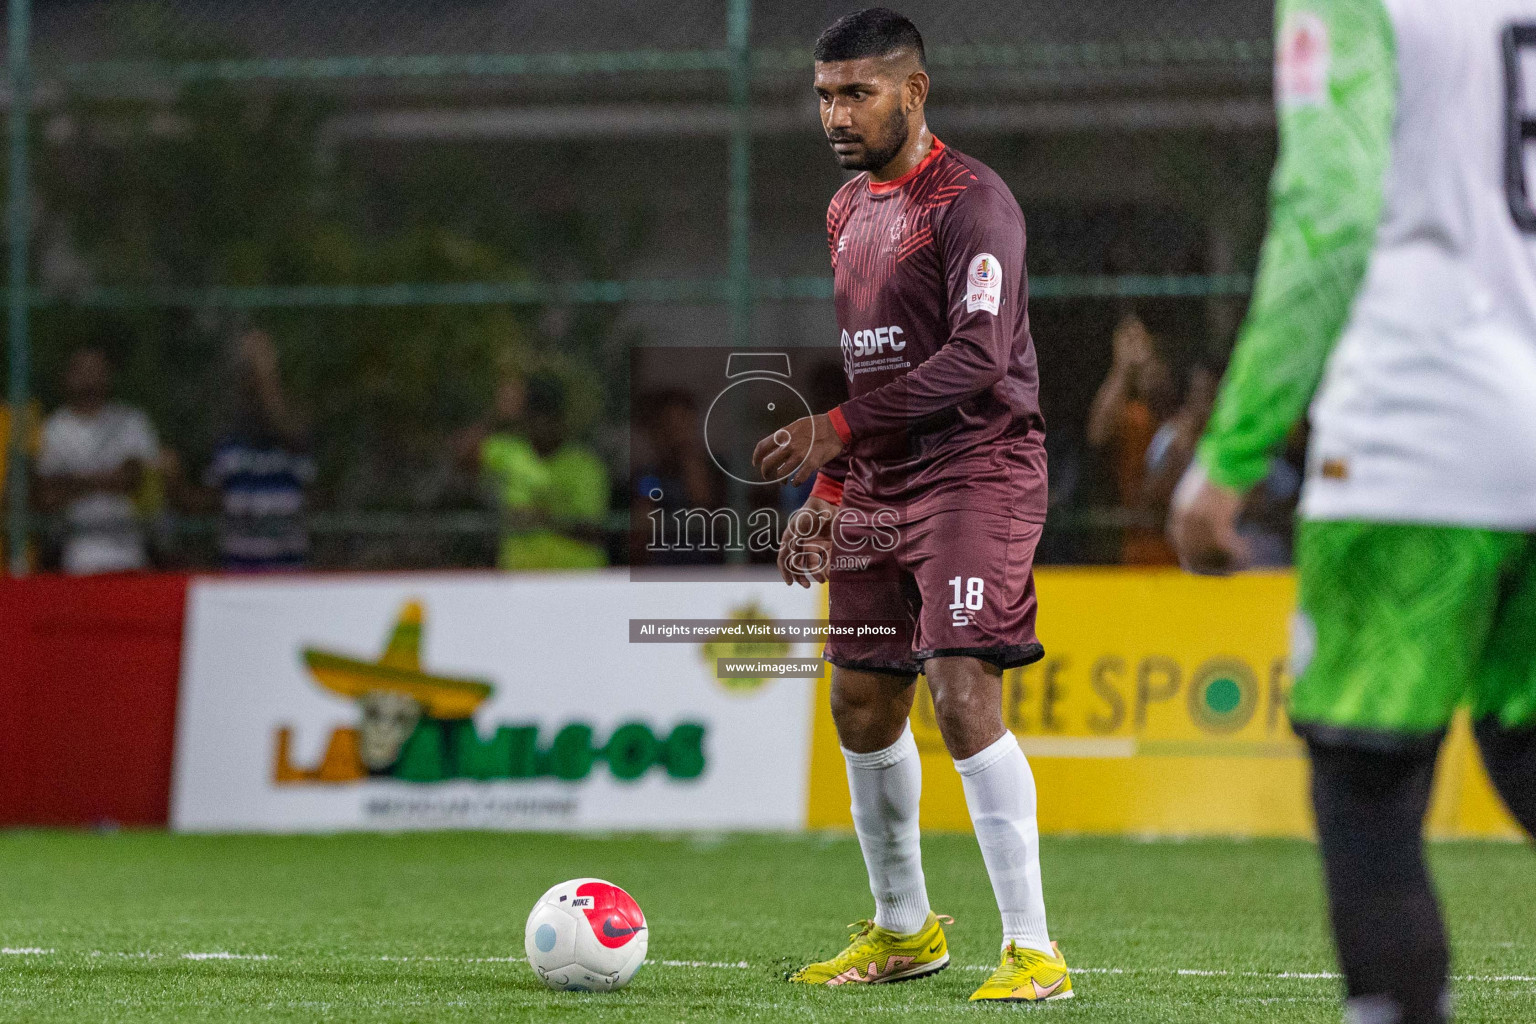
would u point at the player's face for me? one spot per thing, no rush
(864, 110)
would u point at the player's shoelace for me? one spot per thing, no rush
(1023, 958)
(858, 929)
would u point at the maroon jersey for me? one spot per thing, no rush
(931, 297)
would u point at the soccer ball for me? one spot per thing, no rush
(586, 935)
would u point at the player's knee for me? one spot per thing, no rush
(955, 704)
(966, 702)
(849, 708)
(968, 727)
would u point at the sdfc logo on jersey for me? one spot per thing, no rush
(868, 344)
(984, 284)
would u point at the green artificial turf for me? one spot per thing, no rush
(417, 928)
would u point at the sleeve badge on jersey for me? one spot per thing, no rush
(984, 284)
(1301, 62)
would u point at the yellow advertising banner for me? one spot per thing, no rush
(1159, 709)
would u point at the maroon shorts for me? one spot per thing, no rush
(957, 583)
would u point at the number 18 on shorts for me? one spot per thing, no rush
(958, 583)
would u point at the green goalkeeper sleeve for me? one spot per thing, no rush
(1336, 93)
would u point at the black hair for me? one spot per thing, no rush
(872, 32)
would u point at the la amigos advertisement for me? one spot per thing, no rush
(399, 702)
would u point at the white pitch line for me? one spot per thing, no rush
(129, 956)
(417, 959)
(1191, 972)
(730, 965)
(453, 959)
(1304, 975)
(740, 965)
(225, 956)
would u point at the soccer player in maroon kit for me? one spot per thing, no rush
(928, 505)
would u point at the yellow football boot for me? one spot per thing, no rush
(875, 956)
(1027, 976)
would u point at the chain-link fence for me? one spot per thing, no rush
(441, 212)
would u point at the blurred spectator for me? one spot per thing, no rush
(91, 466)
(1266, 523)
(30, 438)
(552, 491)
(1130, 405)
(1173, 446)
(261, 468)
(509, 405)
(673, 472)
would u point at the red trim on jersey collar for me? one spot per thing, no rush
(881, 188)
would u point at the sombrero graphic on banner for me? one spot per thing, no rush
(418, 726)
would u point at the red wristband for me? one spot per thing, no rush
(840, 424)
(828, 489)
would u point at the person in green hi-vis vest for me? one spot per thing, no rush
(552, 491)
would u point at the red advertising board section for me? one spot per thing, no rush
(88, 677)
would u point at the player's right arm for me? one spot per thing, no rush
(1336, 91)
(830, 478)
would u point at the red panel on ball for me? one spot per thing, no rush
(615, 917)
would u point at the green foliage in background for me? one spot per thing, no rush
(227, 187)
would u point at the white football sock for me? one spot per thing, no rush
(885, 786)
(1000, 793)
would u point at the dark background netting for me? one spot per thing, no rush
(339, 172)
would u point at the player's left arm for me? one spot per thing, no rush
(834, 473)
(981, 243)
(1336, 92)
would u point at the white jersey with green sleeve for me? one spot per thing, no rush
(1399, 270)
